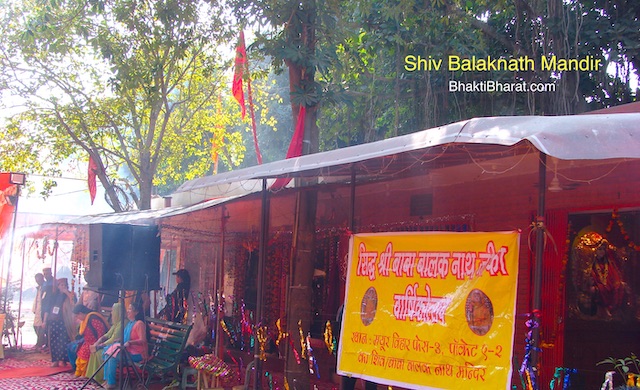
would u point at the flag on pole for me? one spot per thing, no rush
(91, 178)
(241, 63)
(238, 91)
(295, 148)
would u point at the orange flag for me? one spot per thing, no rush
(91, 178)
(241, 63)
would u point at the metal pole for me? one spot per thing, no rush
(13, 233)
(262, 254)
(352, 200)
(55, 258)
(219, 280)
(537, 278)
(19, 331)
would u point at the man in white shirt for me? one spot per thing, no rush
(37, 312)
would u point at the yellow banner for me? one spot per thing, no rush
(433, 309)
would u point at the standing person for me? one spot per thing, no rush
(177, 302)
(48, 279)
(59, 322)
(47, 296)
(135, 342)
(37, 312)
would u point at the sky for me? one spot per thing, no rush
(70, 197)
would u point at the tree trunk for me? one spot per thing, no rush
(147, 171)
(300, 294)
(303, 251)
(146, 187)
(302, 265)
(110, 193)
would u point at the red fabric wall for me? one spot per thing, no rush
(6, 208)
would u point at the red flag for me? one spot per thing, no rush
(241, 63)
(91, 178)
(6, 207)
(295, 148)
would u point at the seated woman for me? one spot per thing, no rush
(92, 326)
(135, 342)
(112, 336)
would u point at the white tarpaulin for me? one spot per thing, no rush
(572, 137)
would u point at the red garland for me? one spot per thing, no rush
(615, 218)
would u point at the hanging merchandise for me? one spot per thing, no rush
(261, 335)
(303, 343)
(562, 376)
(608, 381)
(270, 377)
(211, 364)
(527, 371)
(281, 334)
(329, 339)
(313, 364)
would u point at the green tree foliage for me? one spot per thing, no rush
(380, 98)
(137, 85)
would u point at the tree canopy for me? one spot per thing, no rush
(366, 92)
(385, 98)
(140, 87)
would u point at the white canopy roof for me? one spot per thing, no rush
(573, 137)
(576, 137)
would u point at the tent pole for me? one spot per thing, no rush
(537, 280)
(13, 233)
(219, 280)
(262, 254)
(55, 257)
(352, 200)
(19, 330)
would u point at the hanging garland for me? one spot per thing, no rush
(615, 219)
(45, 248)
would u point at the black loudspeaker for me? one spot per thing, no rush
(123, 257)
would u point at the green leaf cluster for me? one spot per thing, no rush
(135, 84)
